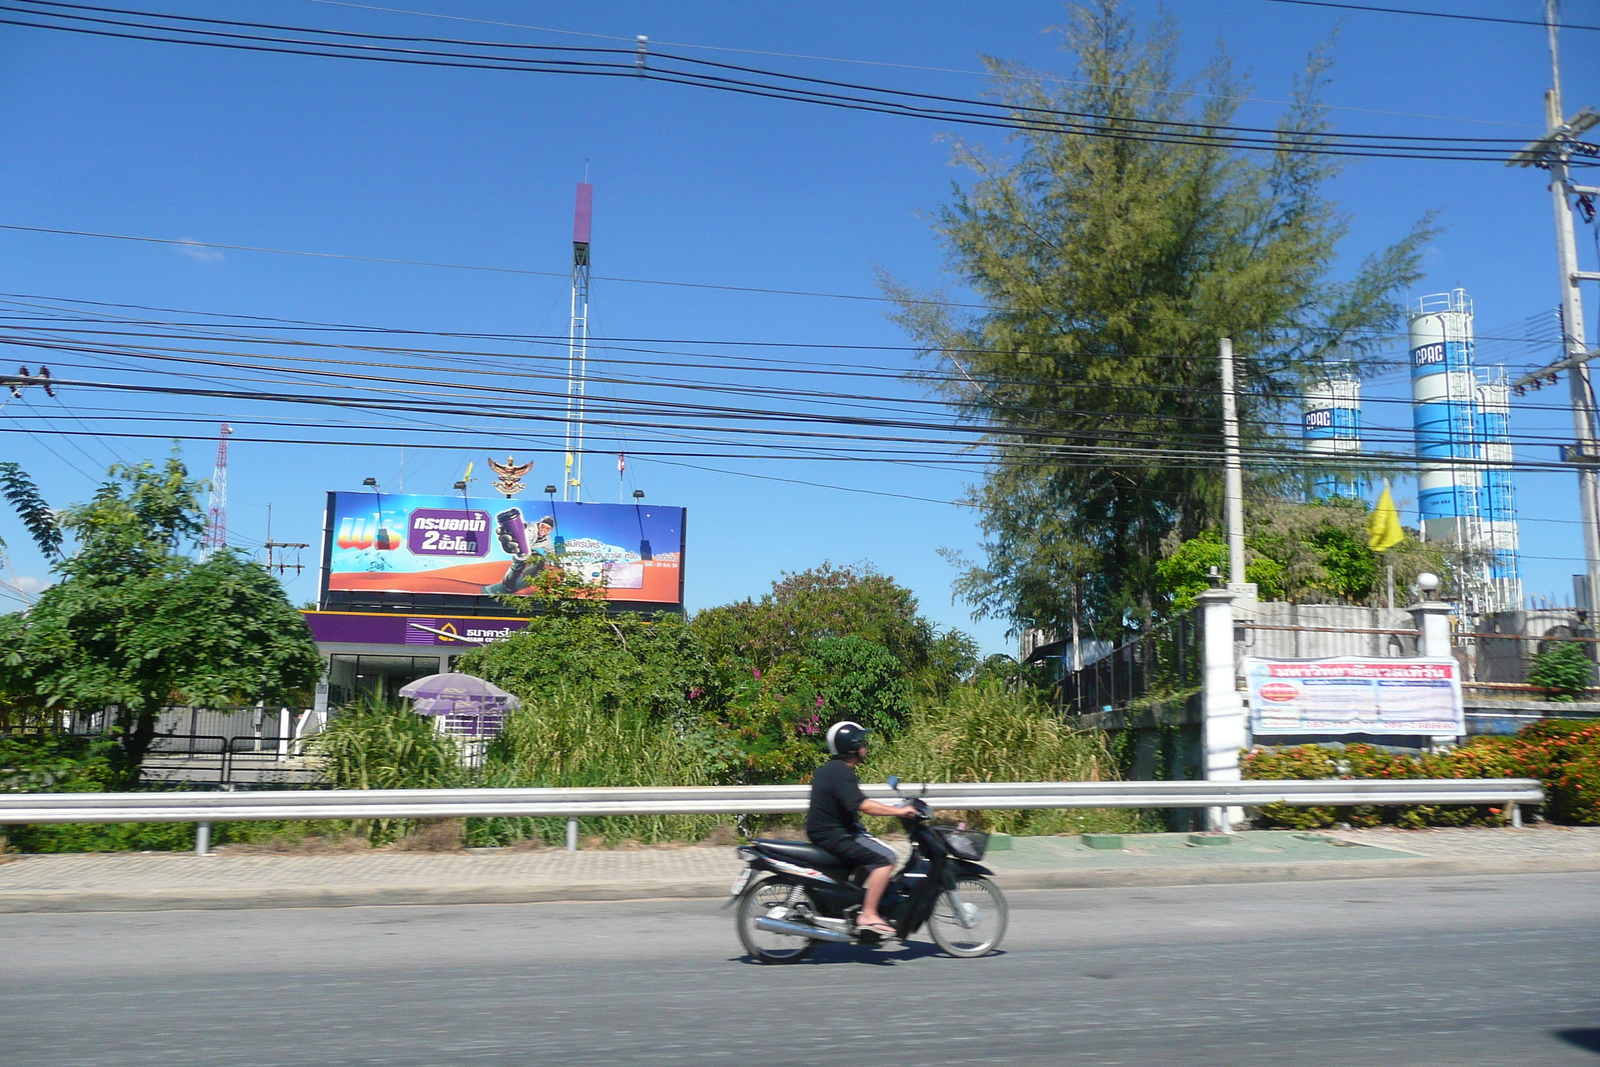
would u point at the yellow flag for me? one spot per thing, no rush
(1383, 527)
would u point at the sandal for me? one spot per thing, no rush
(881, 929)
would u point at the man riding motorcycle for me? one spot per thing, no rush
(832, 821)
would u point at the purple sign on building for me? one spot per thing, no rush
(441, 532)
(339, 627)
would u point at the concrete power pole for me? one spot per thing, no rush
(1553, 152)
(1232, 473)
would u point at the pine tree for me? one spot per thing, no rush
(1108, 267)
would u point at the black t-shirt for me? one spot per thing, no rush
(835, 796)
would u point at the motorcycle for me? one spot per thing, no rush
(807, 895)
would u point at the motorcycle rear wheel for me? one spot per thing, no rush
(988, 920)
(754, 903)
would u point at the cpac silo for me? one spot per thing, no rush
(1331, 432)
(1497, 504)
(1444, 415)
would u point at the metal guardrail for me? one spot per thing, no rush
(572, 804)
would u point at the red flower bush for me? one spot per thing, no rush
(1562, 754)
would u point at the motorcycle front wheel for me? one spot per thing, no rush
(761, 898)
(970, 919)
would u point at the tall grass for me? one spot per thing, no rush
(568, 738)
(376, 745)
(989, 733)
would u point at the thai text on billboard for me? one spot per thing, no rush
(1354, 695)
(485, 547)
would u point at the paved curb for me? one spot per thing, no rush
(1088, 878)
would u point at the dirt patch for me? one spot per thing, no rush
(310, 845)
(724, 835)
(531, 843)
(443, 835)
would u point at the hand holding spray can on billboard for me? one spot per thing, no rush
(513, 533)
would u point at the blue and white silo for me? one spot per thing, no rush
(1461, 418)
(1331, 431)
(1444, 414)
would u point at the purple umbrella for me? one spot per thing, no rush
(470, 705)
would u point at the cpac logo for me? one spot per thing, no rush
(1427, 355)
(1321, 419)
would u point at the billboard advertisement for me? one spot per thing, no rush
(1354, 695)
(471, 546)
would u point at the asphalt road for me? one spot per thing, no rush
(1469, 971)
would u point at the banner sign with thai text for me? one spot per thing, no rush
(1354, 695)
(484, 547)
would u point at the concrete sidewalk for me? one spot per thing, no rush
(173, 881)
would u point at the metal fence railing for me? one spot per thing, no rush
(572, 804)
(1164, 659)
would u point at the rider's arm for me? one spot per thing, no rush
(878, 807)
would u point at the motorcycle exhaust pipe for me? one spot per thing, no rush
(779, 926)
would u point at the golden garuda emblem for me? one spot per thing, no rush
(510, 474)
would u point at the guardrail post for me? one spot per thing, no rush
(202, 839)
(572, 833)
(1515, 812)
(1223, 728)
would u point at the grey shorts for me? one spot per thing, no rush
(859, 849)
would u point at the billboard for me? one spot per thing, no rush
(470, 546)
(1354, 695)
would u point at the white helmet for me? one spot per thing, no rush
(845, 738)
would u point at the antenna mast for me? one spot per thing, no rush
(217, 504)
(578, 343)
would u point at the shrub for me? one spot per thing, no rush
(989, 733)
(375, 745)
(68, 763)
(1564, 671)
(1563, 755)
(569, 739)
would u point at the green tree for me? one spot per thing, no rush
(860, 681)
(20, 491)
(1564, 670)
(826, 601)
(1109, 262)
(1300, 552)
(136, 625)
(616, 661)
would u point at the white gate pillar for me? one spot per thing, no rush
(1433, 633)
(1222, 730)
(1433, 620)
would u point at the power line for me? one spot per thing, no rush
(529, 58)
(1431, 14)
(464, 266)
(996, 74)
(234, 359)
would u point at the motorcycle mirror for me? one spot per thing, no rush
(894, 781)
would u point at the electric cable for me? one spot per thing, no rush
(193, 30)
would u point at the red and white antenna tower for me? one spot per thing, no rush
(217, 504)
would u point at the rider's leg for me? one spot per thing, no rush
(877, 882)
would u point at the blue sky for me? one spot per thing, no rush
(479, 168)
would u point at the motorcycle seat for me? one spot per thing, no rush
(798, 852)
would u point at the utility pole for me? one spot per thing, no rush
(1553, 152)
(1233, 469)
(275, 564)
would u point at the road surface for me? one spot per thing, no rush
(1468, 971)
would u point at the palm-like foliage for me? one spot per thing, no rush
(19, 490)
